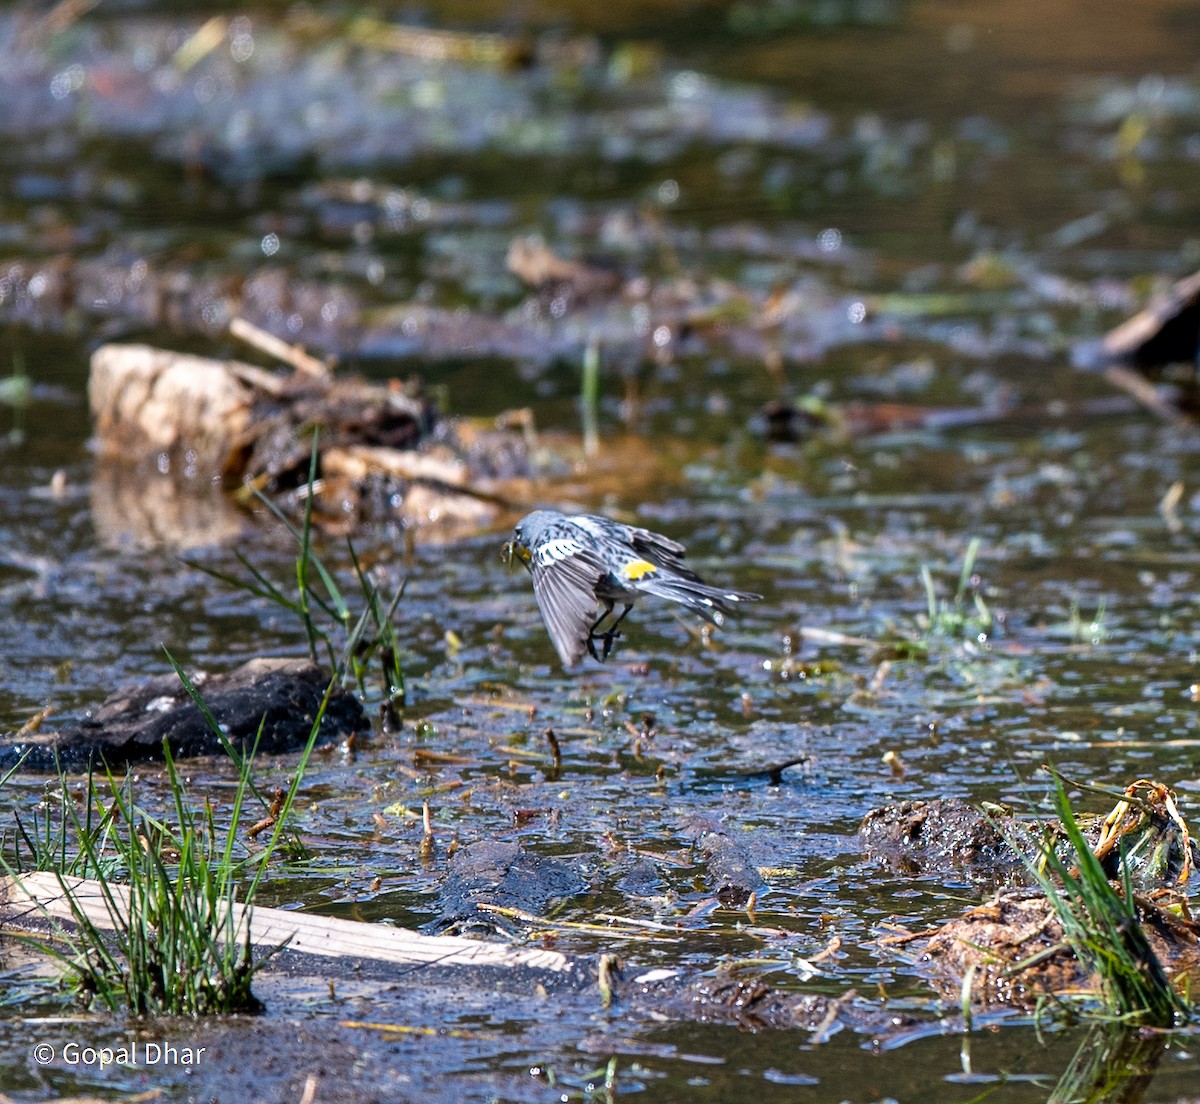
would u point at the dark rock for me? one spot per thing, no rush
(928, 837)
(283, 695)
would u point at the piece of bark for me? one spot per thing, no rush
(384, 451)
(293, 355)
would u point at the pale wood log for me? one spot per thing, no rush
(361, 461)
(39, 895)
(147, 401)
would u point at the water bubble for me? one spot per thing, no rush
(428, 94)
(830, 240)
(69, 80)
(668, 192)
(270, 244)
(688, 85)
(214, 314)
(241, 48)
(960, 38)
(205, 90)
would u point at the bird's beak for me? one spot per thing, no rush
(514, 551)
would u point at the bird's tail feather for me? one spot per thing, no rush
(708, 601)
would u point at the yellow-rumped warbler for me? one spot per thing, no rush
(580, 562)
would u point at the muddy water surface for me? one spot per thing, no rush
(920, 203)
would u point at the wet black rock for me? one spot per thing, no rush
(281, 695)
(928, 837)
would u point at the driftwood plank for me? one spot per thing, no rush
(40, 895)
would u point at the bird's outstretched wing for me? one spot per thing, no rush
(564, 583)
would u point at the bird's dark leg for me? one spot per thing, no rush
(609, 635)
(593, 636)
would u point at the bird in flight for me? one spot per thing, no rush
(582, 563)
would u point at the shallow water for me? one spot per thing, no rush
(943, 199)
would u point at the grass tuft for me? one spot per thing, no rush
(968, 613)
(167, 885)
(1102, 927)
(589, 398)
(349, 644)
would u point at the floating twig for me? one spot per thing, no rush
(609, 965)
(293, 355)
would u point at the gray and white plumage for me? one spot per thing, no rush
(584, 564)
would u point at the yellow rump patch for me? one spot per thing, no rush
(636, 569)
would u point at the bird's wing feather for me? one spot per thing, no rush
(663, 551)
(565, 590)
(655, 543)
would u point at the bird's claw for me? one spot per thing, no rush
(609, 638)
